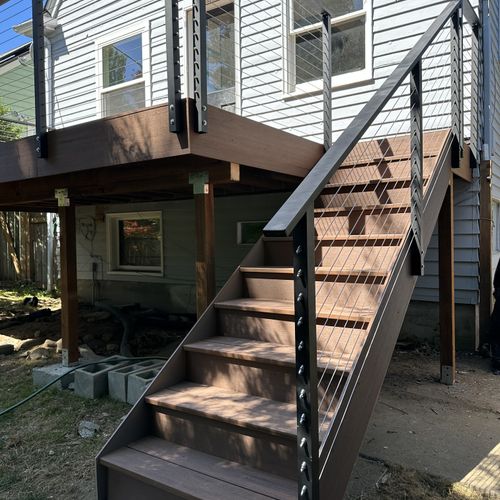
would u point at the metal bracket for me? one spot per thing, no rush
(62, 197)
(175, 121)
(39, 79)
(447, 375)
(199, 180)
(200, 64)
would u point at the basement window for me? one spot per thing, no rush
(135, 242)
(122, 74)
(249, 232)
(351, 48)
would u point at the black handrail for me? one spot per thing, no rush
(295, 207)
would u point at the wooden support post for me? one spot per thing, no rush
(485, 257)
(447, 288)
(69, 295)
(205, 240)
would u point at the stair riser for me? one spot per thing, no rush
(379, 170)
(281, 330)
(124, 487)
(258, 379)
(379, 258)
(262, 451)
(334, 294)
(359, 222)
(382, 196)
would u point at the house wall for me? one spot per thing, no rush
(494, 21)
(397, 26)
(175, 290)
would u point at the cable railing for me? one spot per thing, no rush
(353, 214)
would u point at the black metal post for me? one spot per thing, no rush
(417, 173)
(173, 66)
(306, 358)
(39, 79)
(327, 78)
(200, 64)
(457, 92)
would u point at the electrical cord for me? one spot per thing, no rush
(96, 362)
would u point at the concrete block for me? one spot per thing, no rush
(43, 375)
(139, 382)
(92, 381)
(118, 379)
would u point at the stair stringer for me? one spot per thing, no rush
(341, 446)
(138, 422)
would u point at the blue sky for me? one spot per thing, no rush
(12, 12)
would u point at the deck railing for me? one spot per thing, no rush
(400, 123)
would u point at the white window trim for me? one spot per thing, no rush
(188, 51)
(116, 36)
(292, 90)
(112, 245)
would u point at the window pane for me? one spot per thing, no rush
(122, 61)
(220, 49)
(139, 242)
(123, 100)
(250, 232)
(306, 13)
(348, 51)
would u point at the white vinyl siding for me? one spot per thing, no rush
(396, 26)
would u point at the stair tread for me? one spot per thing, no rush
(236, 408)
(178, 469)
(361, 237)
(287, 307)
(267, 352)
(319, 271)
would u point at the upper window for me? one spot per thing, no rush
(351, 44)
(123, 85)
(135, 242)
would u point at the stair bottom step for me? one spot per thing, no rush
(162, 469)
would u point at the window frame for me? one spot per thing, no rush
(113, 244)
(118, 36)
(291, 89)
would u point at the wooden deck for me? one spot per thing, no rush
(135, 153)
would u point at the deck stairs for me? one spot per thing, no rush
(220, 420)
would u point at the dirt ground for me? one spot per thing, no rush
(423, 439)
(421, 428)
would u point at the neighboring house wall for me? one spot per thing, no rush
(173, 290)
(17, 92)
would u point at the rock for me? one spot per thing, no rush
(87, 353)
(29, 343)
(50, 344)
(107, 336)
(59, 346)
(88, 337)
(97, 316)
(87, 429)
(97, 345)
(38, 353)
(37, 334)
(6, 349)
(112, 348)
